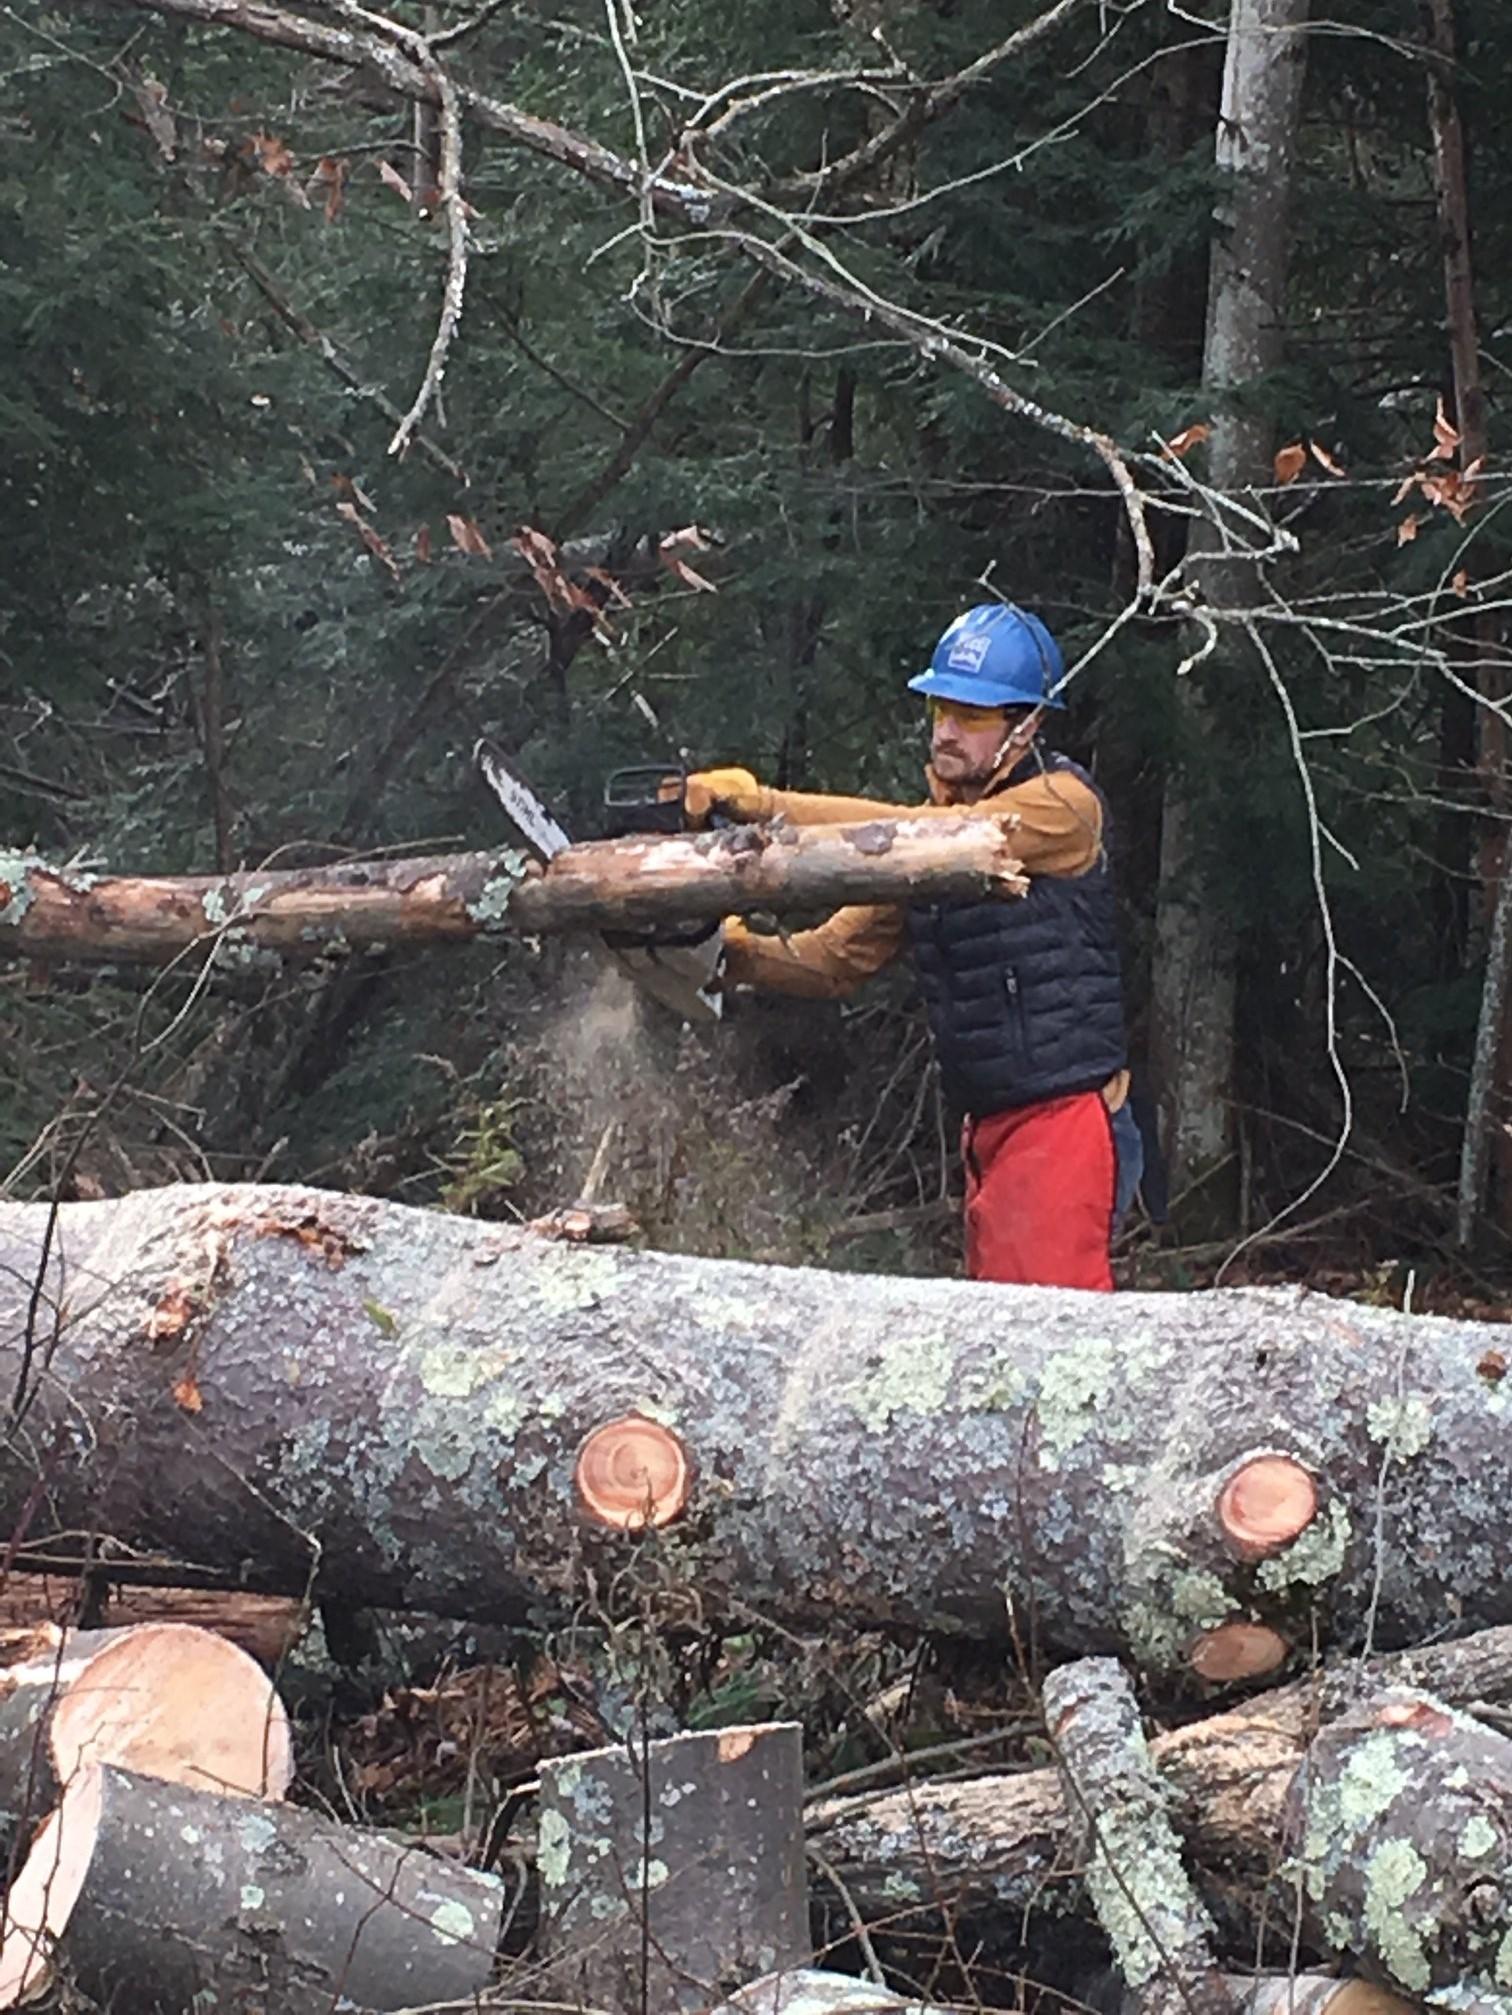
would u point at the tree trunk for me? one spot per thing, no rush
(1489, 1100)
(667, 881)
(1196, 947)
(673, 1871)
(1162, 1937)
(163, 1699)
(988, 1851)
(410, 1409)
(160, 1897)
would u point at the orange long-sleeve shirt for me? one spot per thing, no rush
(1059, 832)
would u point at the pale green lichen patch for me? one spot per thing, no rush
(553, 1849)
(1073, 1389)
(910, 1374)
(458, 1370)
(1393, 1875)
(900, 1888)
(651, 1875)
(452, 1922)
(1403, 1426)
(567, 1281)
(1478, 1838)
(1504, 1961)
(1313, 1559)
(213, 903)
(252, 1897)
(15, 884)
(489, 908)
(1370, 1781)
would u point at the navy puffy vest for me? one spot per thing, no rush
(1024, 996)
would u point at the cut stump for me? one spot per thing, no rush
(672, 1873)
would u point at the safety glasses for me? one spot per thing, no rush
(964, 715)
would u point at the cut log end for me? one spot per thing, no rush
(174, 1702)
(633, 1474)
(46, 1890)
(1238, 1651)
(1266, 1504)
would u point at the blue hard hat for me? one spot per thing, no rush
(995, 656)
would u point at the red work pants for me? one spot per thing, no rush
(1040, 1193)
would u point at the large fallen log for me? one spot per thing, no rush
(265, 918)
(301, 1388)
(994, 1850)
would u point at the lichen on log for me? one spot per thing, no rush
(1162, 1937)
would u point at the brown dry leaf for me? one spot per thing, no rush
(376, 544)
(1189, 438)
(423, 545)
(1290, 462)
(1446, 437)
(1408, 485)
(1471, 473)
(1461, 583)
(348, 486)
(270, 153)
(187, 1394)
(330, 174)
(540, 554)
(171, 1314)
(1493, 1367)
(670, 552)
(1326, 461)
(610, 586)
(152, 100)
(1407, 530)
(392, 179)
(467, 536)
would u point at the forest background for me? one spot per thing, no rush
(785, 332)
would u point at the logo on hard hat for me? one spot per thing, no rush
(969, 649)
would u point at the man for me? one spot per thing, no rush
(1024, 996)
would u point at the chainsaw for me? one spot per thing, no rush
(680, 969)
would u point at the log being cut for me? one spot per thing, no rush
(298, 1388)
(262, 919)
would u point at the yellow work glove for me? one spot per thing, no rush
(736, 793)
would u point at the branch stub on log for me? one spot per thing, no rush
(1238, 1650)
(1269, 1501)
(633, 1474)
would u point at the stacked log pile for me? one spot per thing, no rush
(1143, 1501)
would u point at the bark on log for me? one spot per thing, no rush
(1161, 1934)
(157, 1897)
(1402, 1819)
(34, 1608)
(673, 1872)
(811, 1992)
(163, 1699)
(285, 1383)
(991, 1849)
(264, 919)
